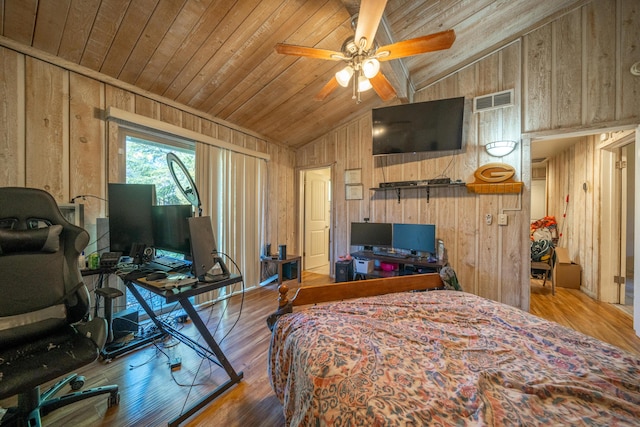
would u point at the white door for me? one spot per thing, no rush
(317, 208)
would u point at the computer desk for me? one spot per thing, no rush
(212, 352)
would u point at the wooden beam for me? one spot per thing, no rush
(396, 71)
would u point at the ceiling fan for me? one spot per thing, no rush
(363, 58)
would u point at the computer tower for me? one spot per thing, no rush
(125, 322)
(344, 271)
(102, 235)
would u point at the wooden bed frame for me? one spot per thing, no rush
(443, 358)
(346, 290)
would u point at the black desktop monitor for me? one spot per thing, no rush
(369, 234)
(415, 237)
(171, 229)
(130, 216)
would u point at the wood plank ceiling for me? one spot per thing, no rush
(218, 57)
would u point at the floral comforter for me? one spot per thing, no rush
(445, 358)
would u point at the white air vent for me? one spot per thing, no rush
(493, 100)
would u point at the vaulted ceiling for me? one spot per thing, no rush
(217, 56)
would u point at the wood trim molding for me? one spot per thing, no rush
(126, 117)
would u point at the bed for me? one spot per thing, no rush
(439, 357)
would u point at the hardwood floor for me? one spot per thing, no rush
(152, 394)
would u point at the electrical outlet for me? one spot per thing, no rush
(502, 219)
(488, 219)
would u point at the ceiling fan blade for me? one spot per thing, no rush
(327, 89)
(424, 44)
(368, 20)
(309, 52)
(382, 87)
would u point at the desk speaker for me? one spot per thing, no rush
(344, 271)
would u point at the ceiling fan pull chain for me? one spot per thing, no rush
(355, 83)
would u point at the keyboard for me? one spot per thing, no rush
(392, 255)
(166, 263)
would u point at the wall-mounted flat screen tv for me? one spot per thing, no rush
(419, 127)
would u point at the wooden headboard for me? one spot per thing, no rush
(347, 290)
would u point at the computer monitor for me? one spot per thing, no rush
(370, 234)
(171, 229)
(130, 216)
(204, 251)
(415, 237)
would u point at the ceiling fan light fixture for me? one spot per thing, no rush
(363, 84)
(370, 67)
(343, 76)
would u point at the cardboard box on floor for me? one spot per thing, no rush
(567, 273)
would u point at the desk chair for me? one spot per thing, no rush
(44, 307)
(546, 266)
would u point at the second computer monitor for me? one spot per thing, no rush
(415, 237)
(171, 229)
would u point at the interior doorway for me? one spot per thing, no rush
(618, 222)
(627, 211)
(316, 219)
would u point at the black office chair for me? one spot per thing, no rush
(44, 307)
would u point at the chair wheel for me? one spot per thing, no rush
(114, 399)
(77, 383)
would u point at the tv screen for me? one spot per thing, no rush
(130, 216)
(371, 234)
(419, 127)
(415, 237)
(171, 229)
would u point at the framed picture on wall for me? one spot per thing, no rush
(353, 192)
(353, 176)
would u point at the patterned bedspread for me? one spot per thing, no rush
(445, 358)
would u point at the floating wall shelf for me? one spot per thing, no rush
(498, 188)
(428, 187)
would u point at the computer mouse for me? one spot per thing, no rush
(156, 275)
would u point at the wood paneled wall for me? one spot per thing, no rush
(576, 69)
(585, 84)
(54, 136)
(569, 75)
(481, 254)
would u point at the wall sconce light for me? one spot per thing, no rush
(500, 148)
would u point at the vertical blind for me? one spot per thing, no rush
(231, 192)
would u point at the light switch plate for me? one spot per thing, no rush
(502, 219)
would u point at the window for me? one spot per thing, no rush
(146, 163)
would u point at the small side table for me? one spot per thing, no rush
(290, 259)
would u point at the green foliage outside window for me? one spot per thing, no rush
(147, 164)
